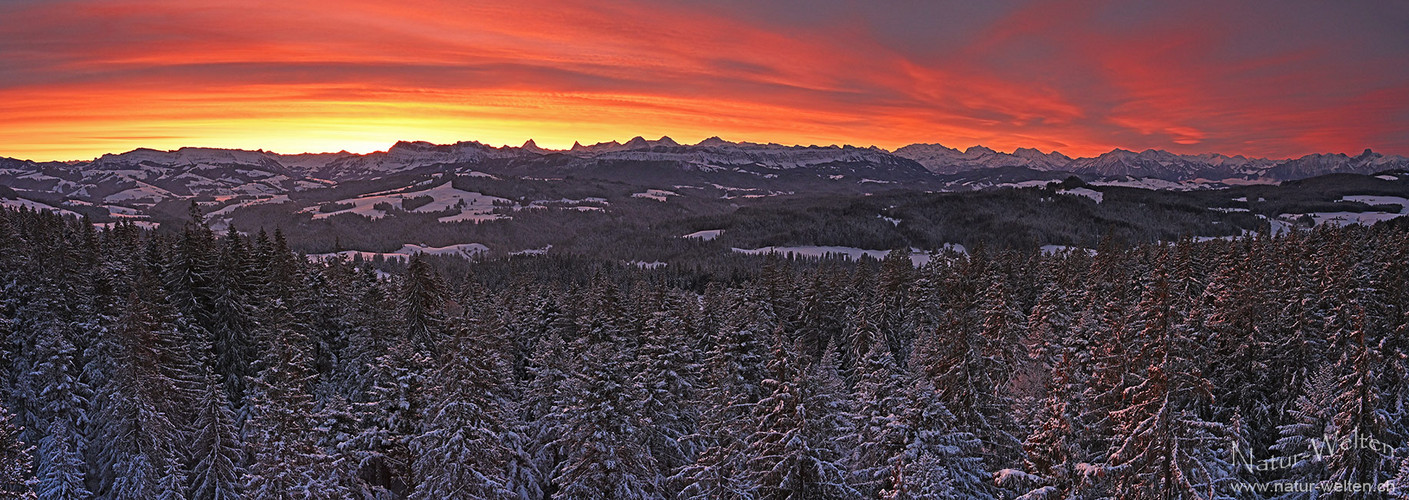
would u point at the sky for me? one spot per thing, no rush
(1285, 78)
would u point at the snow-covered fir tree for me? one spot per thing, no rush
(1164, 447)
(1302, 449)
(279, 433)
(602, 456)
(185, 364)
(216, 448)
(462, 452)
(16, 461)
(790, 455)
(64, 413)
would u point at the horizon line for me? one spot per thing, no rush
(569, 149)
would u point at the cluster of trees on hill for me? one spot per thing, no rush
(140, 365)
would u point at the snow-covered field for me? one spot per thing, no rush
(465, 250)
(1348, 218)
(142, 191)
(1087, 192)
(707, 235)
(1380, 200)
(225, 211)
(917, 257)
(655, 194)
(1363, 218)
(34, 205)
(1145, 183)
(533, 251)
(1025, 184)
(473, 206)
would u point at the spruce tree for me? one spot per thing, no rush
(733, 373)
(964, 365)
(278, 433)
(1053, 452)
(1362, 424)
(939, 459)
(879, 436)
(422, 305)
(1303, 442)
(233, 316)
(461, 452)
(216, 448)
(790, 454)
(1163, 445)
(16, 478)
(664, 377)
(602, 455)
(134, 436)
(64, 411)
(552, 368)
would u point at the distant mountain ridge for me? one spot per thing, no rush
(936, 158)
(149, 173)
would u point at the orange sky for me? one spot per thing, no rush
(80, 78)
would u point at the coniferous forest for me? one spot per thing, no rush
(142, 365)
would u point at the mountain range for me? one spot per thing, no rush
(151, 175)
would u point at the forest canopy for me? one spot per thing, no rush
(198, 365)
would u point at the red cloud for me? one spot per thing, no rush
(87, 77)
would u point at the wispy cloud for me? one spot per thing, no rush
(83, 77)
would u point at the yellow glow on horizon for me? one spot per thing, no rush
(289, 122)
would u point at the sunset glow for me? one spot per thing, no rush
(85, 77)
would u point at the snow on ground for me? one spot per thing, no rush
(141, 191)
(893, 221)
(1234, 181)
(121, 211)
(1025, 184)
(655, 194)
(1089, 193)
(1145, 183)
(468, 215)
(1052, 249)
(465, 250)
(565, 203)
(917, 257)
(1386, 177)
(1380, 200)
(1363, 218)
(647, 265)
(533, 251)
(707, 235)
(144, 224)
(34, 205)
(460, 250)
(1348, 218)
(225, 211)
(473, 206)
